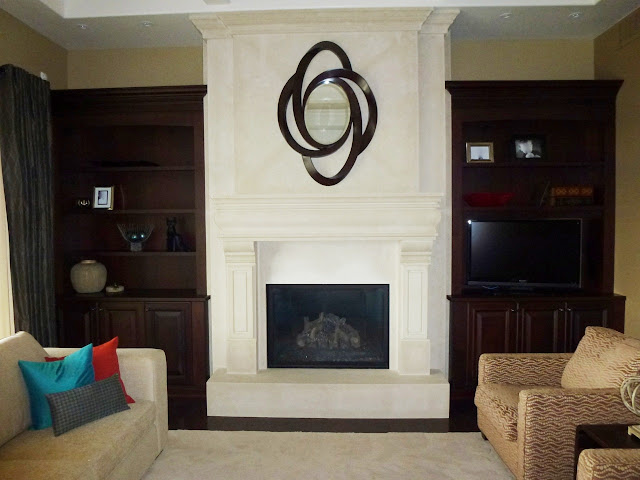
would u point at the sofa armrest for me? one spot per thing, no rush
(609, 464)
(547, 421)
(144, 374)
(540, 369)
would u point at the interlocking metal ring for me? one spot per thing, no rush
(292, 91)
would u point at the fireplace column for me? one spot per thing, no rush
(413, 351)
(242, 340)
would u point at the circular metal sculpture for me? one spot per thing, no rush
(323, 142)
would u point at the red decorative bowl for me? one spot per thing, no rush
(487, 199)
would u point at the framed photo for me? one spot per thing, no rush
(528, 146)
(103, 197)
(479, 152)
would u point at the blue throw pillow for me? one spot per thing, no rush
(42, 378)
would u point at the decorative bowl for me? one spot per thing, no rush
(135, 234)
(487, 199)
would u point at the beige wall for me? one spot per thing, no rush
(522, 60)
(621, 59)
(22, 46)
(135, 67)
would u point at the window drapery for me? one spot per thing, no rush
(6, 300)
(27, 171)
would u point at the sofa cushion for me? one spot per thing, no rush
(105, 363)
(14, 399)
(603, 359)
(83, 405)
(41, 378)
(89, 452)
(499, 403)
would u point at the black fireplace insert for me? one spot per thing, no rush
(327, 326)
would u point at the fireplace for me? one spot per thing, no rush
(269, 223)
(328, 326)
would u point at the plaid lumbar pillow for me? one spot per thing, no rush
(78, 406)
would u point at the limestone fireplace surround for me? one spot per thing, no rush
(276, 224)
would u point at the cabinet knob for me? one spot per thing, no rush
(513, 310)
(561, 309)
(569, 310)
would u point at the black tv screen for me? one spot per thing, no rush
(528, 253)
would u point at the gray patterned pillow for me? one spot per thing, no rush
(78, 406)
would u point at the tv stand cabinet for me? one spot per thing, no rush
(575, 122)
(521, 324)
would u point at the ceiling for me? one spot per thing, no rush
(102, 24)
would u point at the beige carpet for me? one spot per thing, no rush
(192, 454)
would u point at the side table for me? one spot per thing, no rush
(602, 436)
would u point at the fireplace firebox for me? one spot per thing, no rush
(327, 326)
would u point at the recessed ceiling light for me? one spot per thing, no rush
(146, 24)
(506, 15)
(82, 26)
(575, 15)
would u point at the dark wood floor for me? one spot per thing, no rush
(191, 414)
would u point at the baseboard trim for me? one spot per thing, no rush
(338, 425)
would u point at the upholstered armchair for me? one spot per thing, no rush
(529, 405)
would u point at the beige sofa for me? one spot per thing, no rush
(119, 447)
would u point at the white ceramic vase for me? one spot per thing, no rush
(88, 276)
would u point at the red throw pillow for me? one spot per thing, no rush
(105, 363)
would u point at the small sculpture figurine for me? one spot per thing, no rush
(175, 243)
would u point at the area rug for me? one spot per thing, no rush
(194, 454)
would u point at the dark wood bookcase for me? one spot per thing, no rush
(576, 120)
(148, 143)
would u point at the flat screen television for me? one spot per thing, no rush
(528, 254)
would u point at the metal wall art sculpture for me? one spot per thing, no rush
(327, 112)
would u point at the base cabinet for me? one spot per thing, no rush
(520, 324)
(178, 327)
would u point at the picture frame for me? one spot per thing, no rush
(103, 197)
(479, 152)
(525, 147)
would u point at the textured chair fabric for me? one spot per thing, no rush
(500, 404)
(609, 464)
(603, 359)
(548, 414)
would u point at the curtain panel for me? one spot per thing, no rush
(27, 171)
(6, 301)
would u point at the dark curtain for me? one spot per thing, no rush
(25, 140)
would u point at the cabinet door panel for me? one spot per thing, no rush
(493, 329)
(76, 325)
(543, 327)
(124, 320)
(167, 327)
(586, 314)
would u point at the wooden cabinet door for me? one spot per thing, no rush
(542, 327)
(76, 323)
(168, 325)
(492, 328)
(583, 314)
(124, 320)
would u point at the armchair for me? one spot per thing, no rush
(529, 405)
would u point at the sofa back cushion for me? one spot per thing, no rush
(14, 399)
(603, 359)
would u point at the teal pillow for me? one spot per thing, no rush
(42, 378)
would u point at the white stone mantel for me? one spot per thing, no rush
(328, 217)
